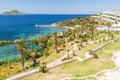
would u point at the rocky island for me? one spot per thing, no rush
(12, 12)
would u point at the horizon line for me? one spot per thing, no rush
(56, 14)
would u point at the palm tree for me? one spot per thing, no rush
(34, 56)
(48, 36)
(92, 29)
(21, 48)
(33, 53)
(56, 42)
(108, 25)
(81, 42)
(68, 54)
(35, 41)
(43, 67)
(9, 64)
(82, 29)
(64, 37)
(42, 42)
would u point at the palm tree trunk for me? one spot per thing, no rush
(81, 44)
(9, 65)
(56, 42)
(92, 33)
(109, 24)
(56, 45)
(68, 55)
(34, 60)
(108, 31)
(22, 57)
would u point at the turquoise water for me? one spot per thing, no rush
(23, 26)
(10, 52)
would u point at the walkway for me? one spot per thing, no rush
(113, 74)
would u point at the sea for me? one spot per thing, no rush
(23, 26)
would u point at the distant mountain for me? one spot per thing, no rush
(13, 12)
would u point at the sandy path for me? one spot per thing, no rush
(113, 74)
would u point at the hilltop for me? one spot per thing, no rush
(13, 12)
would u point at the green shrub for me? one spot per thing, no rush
(64, 59)
(42, 67)
(64, 45)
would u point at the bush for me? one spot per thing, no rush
(46, 54)
(64, 59)
(42, 67)
(95, 55)
(71, 38)
(58, 51)
(92, 53)
(77, 42)
(64, 45)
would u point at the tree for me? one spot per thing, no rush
(21, 48)
(42, 42)
(92, 30)
(34, 56)
(43, 67)
(68, 54)
(63, 36)
(35, 41)
(48, 36)
(56, 42)
(82, 29)
(9, 64)
(109, 25)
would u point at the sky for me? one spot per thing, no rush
(59, 6)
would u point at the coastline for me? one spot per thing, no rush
(67, 27)
(11, 48)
